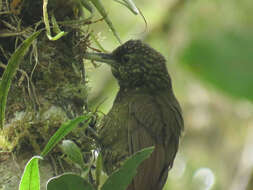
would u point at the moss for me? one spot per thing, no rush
(30, 130)
(50, 85)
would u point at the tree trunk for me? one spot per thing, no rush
(49, 87)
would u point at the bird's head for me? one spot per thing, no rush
(135, 64)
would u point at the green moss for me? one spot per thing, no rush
(27, 131)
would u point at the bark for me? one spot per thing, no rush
(49, 87)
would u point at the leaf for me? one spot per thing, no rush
(99, 167)
(121, 178)
(62, 132)
(224, 59)
(89, 7)
(87, 169)
(68, 182)
(99, 6)
(31, 179)
(10, 71)
(73, 152)
(130, 5)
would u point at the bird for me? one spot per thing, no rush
(145, 113)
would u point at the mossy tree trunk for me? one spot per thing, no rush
(49, 86)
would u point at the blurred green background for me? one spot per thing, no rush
(209, 50)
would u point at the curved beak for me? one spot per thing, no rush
(101, 57)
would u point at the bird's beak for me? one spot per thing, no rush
(101, 57)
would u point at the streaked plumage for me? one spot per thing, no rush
(145, 113)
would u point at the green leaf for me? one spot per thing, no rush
(62, 132)
(73, 152)
(130, 5)
(99, 167)
(10, 71)
(99, 6)
(223, 59)
(121, 178)
(89, 7)
(86, 169)
(68, 182)
(31, 179)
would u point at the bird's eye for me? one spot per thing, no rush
(125, 59)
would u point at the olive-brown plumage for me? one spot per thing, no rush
(145, 113)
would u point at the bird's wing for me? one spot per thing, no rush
(113, 137)
(153, 122)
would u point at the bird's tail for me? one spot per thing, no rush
(152, 173)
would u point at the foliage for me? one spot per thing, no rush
(223, 59)
(31, 179)
(118, 180)
(217, 50)
(68, 182)
(73, 152)
(62, 132)
(10, 71)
